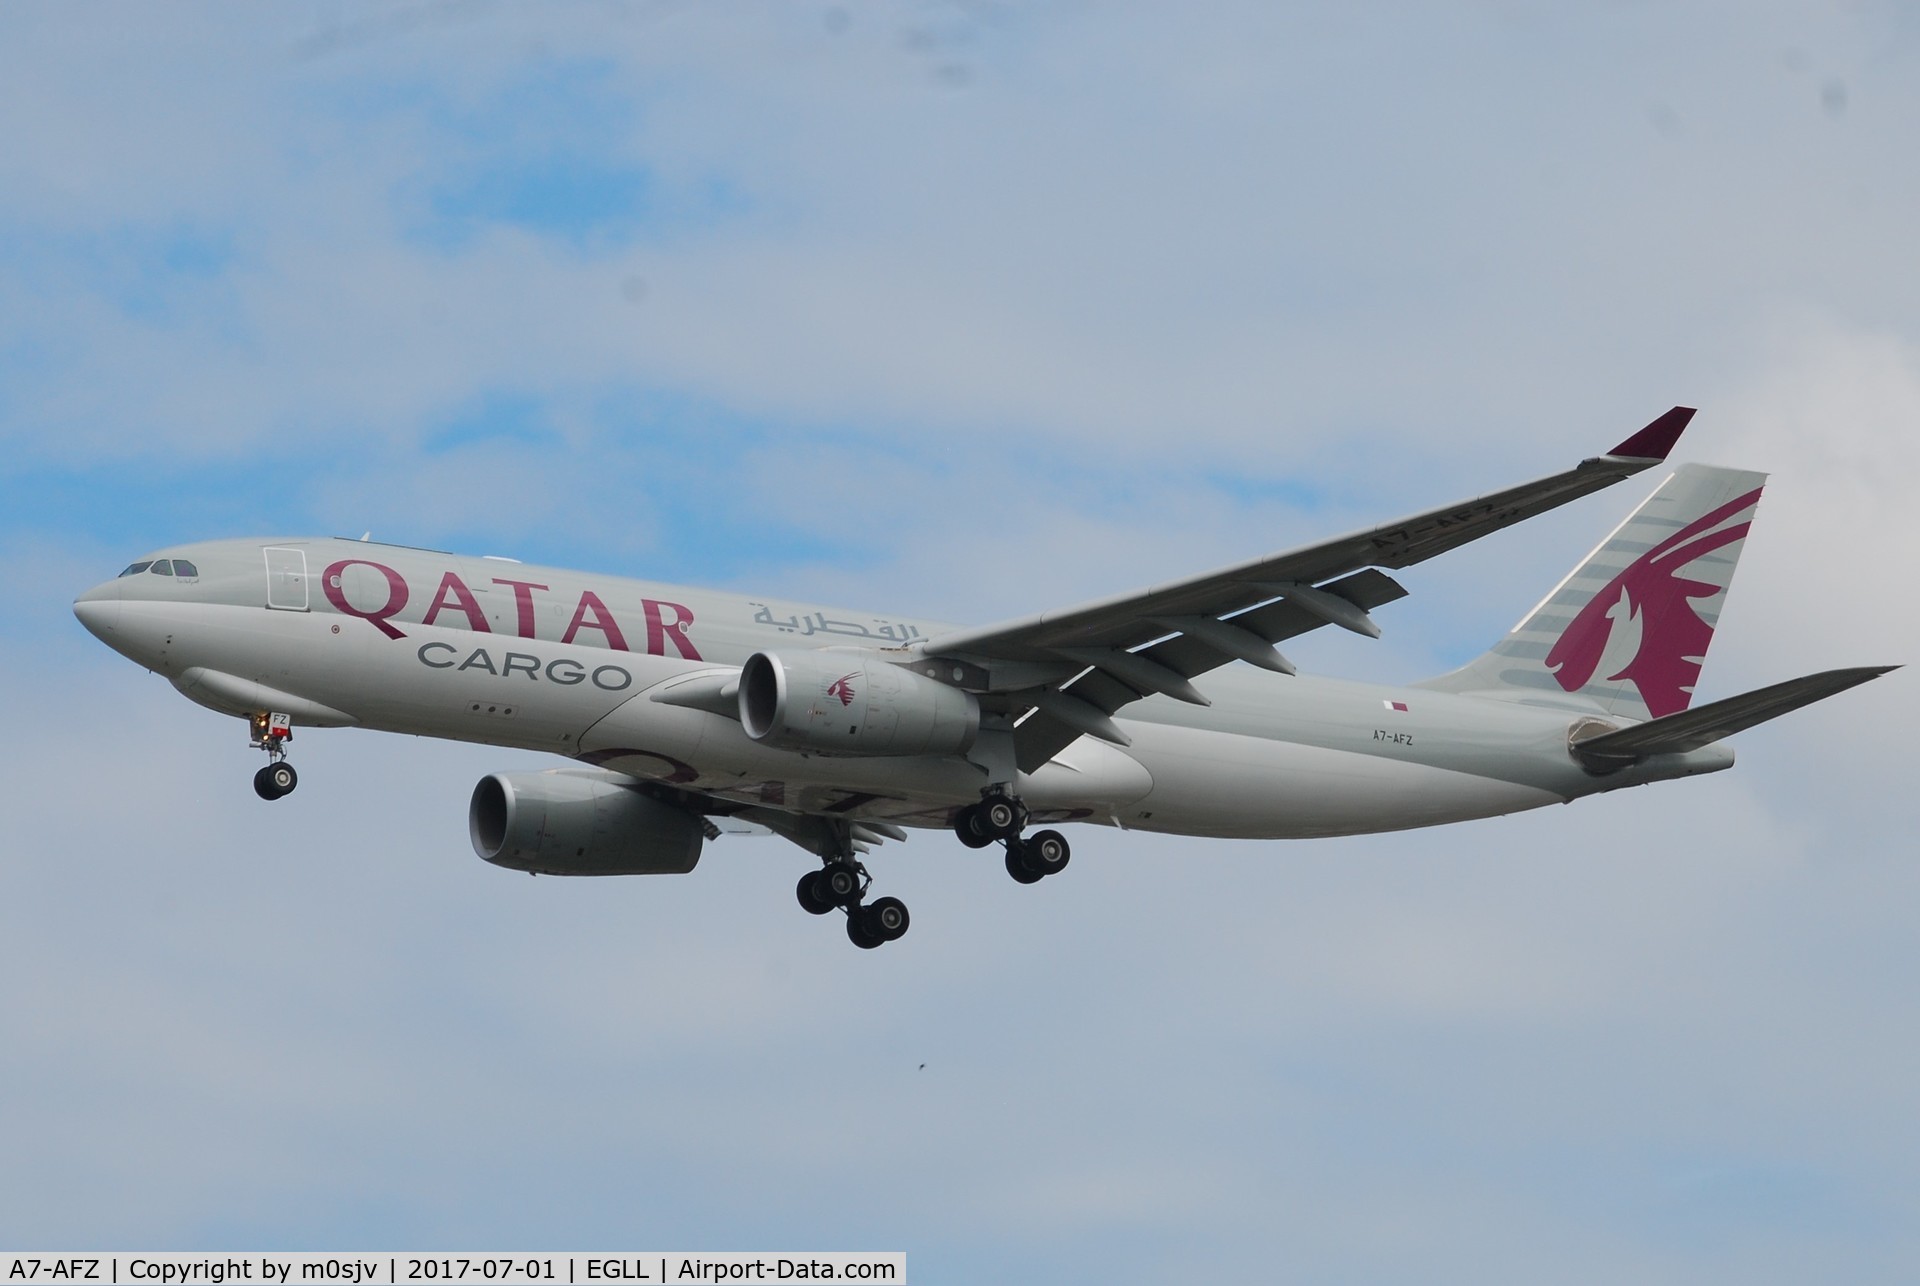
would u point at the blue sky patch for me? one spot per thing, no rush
(571, 198)
(494, 417)
(548, 102)
(551, 152)
(1294, 493)
(144, 270)
(146, 506)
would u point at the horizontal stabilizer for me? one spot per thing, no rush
(1703, 725)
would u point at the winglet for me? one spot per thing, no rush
(1654, 441)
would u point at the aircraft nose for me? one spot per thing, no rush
(99, 610)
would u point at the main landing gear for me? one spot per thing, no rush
(271, 733)
(843, 882)
(1000, 817)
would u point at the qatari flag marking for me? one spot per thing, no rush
(1401, 706)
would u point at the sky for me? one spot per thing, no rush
(962, 311)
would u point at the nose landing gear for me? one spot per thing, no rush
(271, 733)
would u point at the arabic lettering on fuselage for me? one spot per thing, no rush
(666, 623)
(891, 633)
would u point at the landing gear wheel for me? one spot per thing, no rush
(275, 780)
(1018, 869)
(887, 917)
(1045, 852)
(839, 883)
(998, 816)
(967, 827)
(813, 899)
(859, 933)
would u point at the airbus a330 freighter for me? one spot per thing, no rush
(1171, 709)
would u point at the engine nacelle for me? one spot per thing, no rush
(841, 703)
(573, 821)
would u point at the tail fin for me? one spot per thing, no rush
(1626, 632)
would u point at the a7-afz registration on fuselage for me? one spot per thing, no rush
(687, 713)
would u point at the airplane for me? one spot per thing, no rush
(688, 713)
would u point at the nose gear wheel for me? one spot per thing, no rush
(275, 780)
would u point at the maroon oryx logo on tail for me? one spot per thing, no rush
(1650, 597)
(842, 687)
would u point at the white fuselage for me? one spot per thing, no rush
(338, 632)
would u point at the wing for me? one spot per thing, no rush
(1074, 668)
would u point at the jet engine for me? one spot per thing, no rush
(840, 703)
(576, 821)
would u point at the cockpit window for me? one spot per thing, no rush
(136, 569)
(162, 568)
(181, 567)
